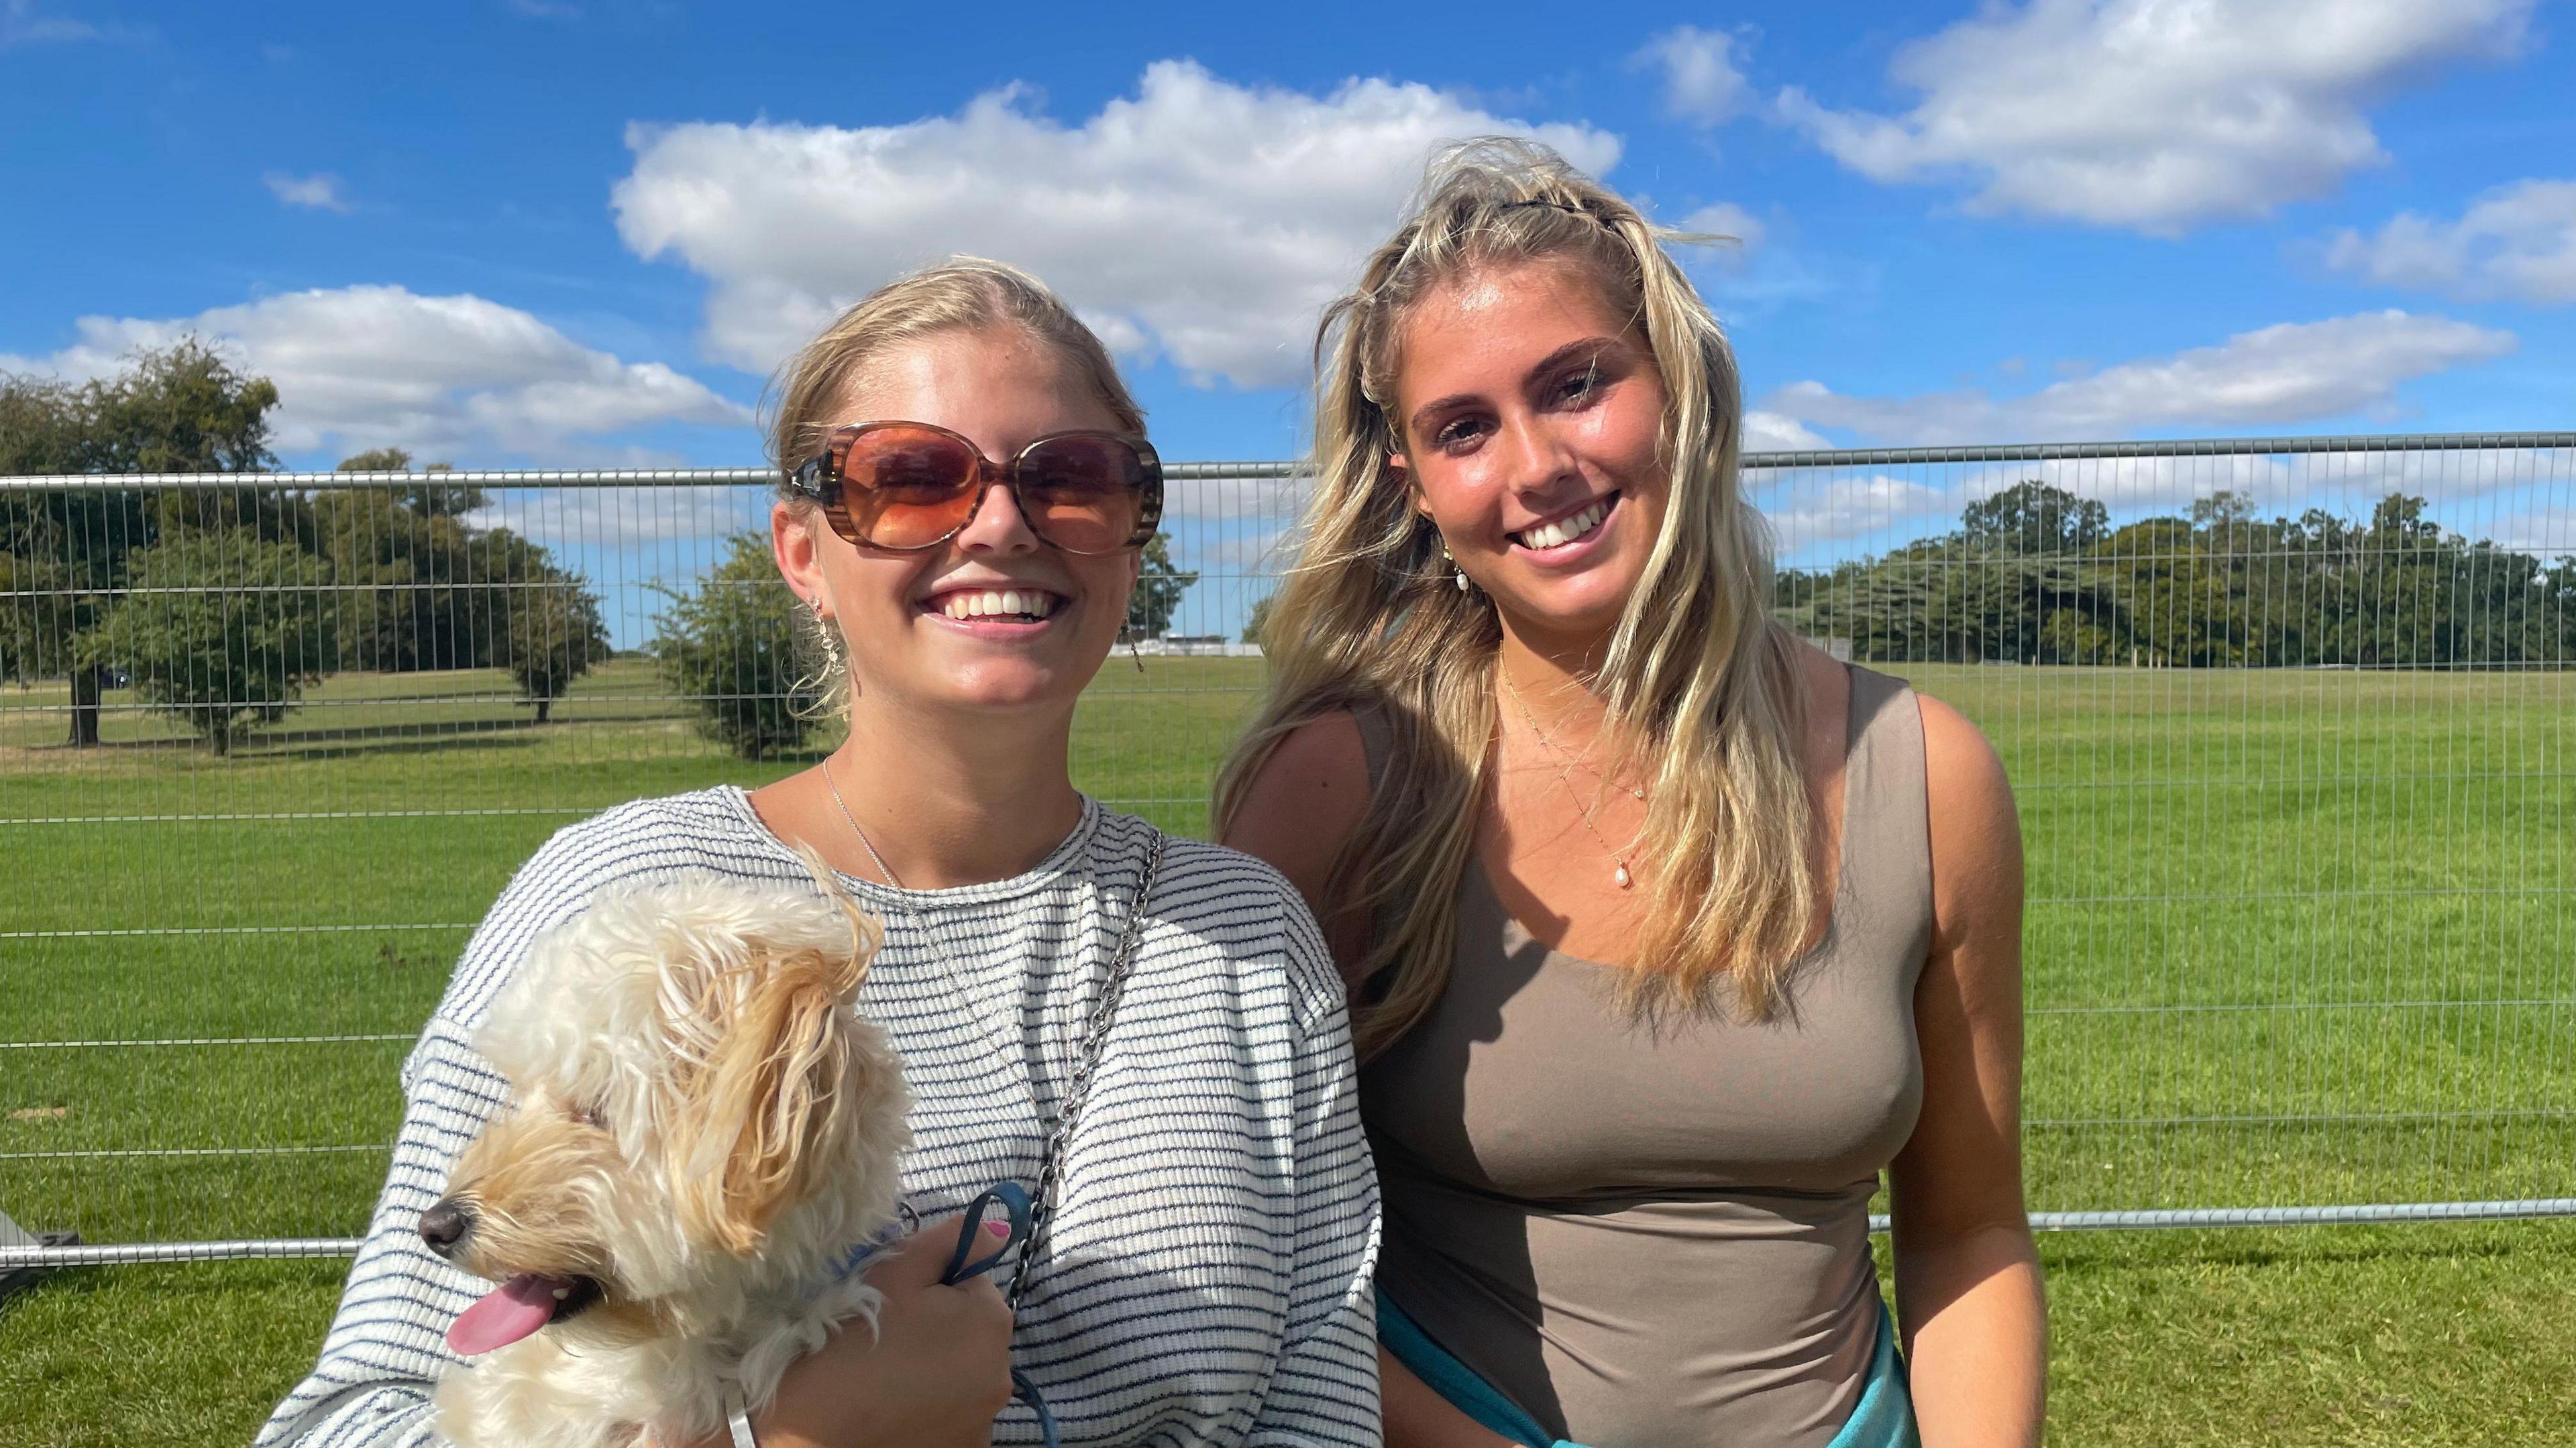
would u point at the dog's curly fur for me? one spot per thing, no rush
(703, 1126)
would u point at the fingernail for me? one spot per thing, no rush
(998, 1229)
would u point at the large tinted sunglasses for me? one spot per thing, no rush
(910, 485)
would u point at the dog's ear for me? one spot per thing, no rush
(773, 1089)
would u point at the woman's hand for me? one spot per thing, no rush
(933, 1374)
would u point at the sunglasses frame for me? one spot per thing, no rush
(818, 479)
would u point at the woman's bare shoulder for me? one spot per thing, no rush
(1975, 829)
(1303, 803)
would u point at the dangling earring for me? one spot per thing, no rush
(1457, 574)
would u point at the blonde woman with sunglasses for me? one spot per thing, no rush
(966, 488)
(1666, 933)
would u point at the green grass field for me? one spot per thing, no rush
(2295, 938)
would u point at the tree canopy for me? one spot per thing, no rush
(183, 408)
(1159, 586)
(737, 648)
(405, 576)
(220, 628)
(2037, 575)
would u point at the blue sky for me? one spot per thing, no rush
(581, 233)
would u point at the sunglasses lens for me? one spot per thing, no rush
(1084, 494)
(906, 488)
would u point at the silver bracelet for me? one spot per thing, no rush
(738, 1418)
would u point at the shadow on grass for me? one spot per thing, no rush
(2080, 1252)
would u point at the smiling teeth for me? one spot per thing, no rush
(1565, 530)
(991, 603)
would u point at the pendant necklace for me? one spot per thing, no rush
(1565, 776)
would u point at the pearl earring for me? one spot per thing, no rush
(1457, 574)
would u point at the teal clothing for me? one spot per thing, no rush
(1884, 1419)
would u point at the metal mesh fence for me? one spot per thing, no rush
(2292, 724)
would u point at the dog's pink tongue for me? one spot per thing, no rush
(506, 1314)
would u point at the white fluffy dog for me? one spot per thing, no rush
(704, 1128)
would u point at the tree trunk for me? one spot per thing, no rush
(85, 692)
(544, 707)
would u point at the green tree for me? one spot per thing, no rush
(405, 565)
(183, 408)
(429, 500)
(2034, 518)
(1255, 621)
(219, 628)
(550, 633)
(2220, 588)
(422, 588)
(735, 647)
(1159, 587)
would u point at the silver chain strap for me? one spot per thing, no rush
(1086, 1062)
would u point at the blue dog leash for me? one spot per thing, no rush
(1014, 1202)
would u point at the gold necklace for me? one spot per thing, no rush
(1565, 776)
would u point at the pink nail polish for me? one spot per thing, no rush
(998, 1229)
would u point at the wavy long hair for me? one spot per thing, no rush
(1699, 683)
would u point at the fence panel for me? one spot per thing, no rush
(2297, 767)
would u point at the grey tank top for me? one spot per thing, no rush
(1651, 1239)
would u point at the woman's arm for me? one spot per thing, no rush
(1325, 1389)
(371, 1388)
(387, 1344)
(1301, 809)
(1967, 1274)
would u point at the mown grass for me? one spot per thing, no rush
(2294, 938)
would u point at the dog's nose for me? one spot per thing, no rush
(445, 1225)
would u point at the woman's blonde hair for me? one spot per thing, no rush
(1700, 685)
(961, 294)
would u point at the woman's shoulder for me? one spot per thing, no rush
(1308, 797)
(1244, 919)
(706, 831)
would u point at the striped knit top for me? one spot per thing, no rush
(1207, 1275)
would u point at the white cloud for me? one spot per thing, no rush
(1265, 502)
(20, 24)
(1199, 219)
(1725, 218)
(1701, 80)
(2545, 532)
(577, 522)
(2517, 243)
(1808, 509)
(1770, 432)
(2155, 114)
(2287, 373)
(447, 377)
(321, 190)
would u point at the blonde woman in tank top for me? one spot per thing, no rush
(1665, 933)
